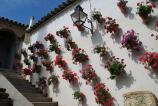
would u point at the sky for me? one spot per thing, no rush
(22, 10)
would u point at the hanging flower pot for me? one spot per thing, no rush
(34, 58)
(110, 25)
(42, 53)
(63, 33)
(38, 45)
(31, 48)
(122, 5)
(70, 76)
(88, 73)
(27, 71)
(24, 53)
(144, 9)
(27, 62)
(50, 37)
(79, 56)
(100, 50)
(96, 15)
(115, 67)
(60, 62)
(48, 65)
(70, 45)
(53, 79)
(55, 47)
(149, 59)
(78, 95)
(102, 95)
(130, 41)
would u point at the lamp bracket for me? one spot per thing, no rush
(91, 29)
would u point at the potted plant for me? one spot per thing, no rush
(27, 62)
(78, 95)
(24, 53)
(69, 76)
(60, 62)
(115, 67)
(99, 49)
(54, 46)
(144, 9)
(63, 33)
(102, 95)
(34, 58)
(130, 41)
(53, 79)
(88, 73)
(31, 48)
(79, 56)
(122, 5)
(38, 45)
(43, 53)
(110, 25)
(50, 37)
(96, 15)
(149, 59)
(27, 71)
(70, 45)
(48, 65)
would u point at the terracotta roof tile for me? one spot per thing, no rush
(13, 22)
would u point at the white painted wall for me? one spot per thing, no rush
(138, 77)
(14, 94)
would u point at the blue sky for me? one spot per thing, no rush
(22, 10)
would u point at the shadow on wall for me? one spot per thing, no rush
(85, 33)
(151, 22)
(117, 36)
(75, 86)
(153, 74)
(84, 103)
(134, 55)
(128, 13)
(126, 80)
(97, 38)
(106, 57)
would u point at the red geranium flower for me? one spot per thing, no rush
(27, 71)
(149, 59)
(60, 62)
(88, 73)
(79, 55)
(102, 94)
(70, 76)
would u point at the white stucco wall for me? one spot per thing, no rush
(138, 78)
(14, 94)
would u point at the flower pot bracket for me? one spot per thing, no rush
(140, 98)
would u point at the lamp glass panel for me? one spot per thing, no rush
(75, 17)
(83, 16)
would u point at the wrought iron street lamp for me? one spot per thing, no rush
(79, 17)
